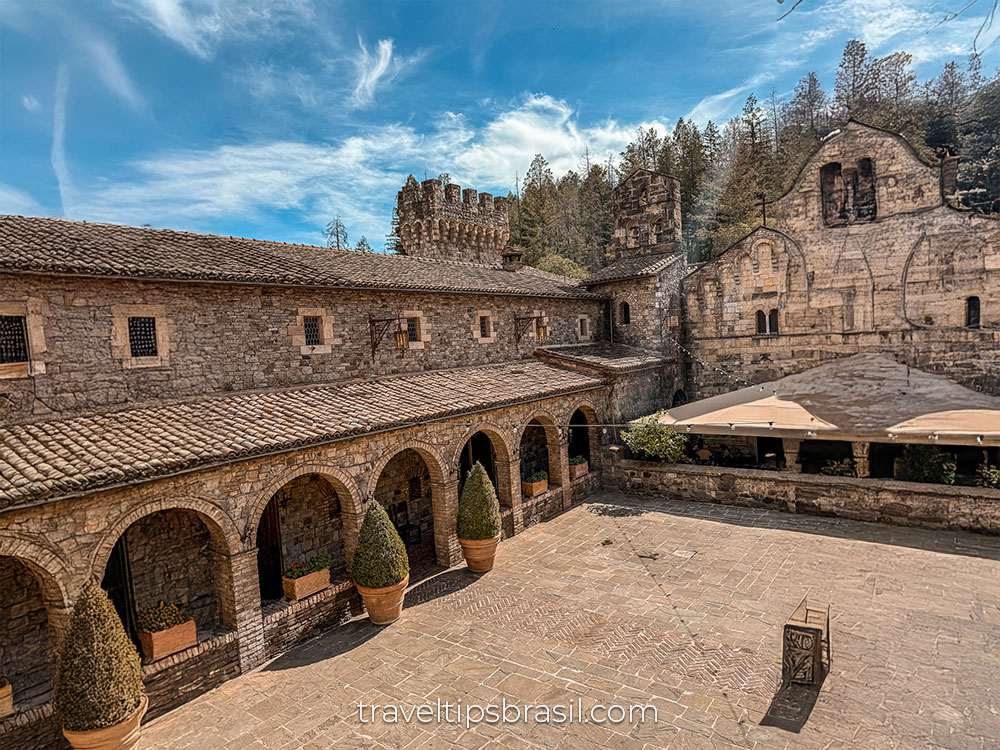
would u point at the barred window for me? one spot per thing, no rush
(13, 339)
(484, 327)
(142, 336)
(413, 329)
(311, 324)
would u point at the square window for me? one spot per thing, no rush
(13, 339)
(311, 324)
(142, 337)
(413, 329)
(484, 327)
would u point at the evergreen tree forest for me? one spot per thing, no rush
(727, 171)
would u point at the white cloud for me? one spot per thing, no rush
(30, 103)
(16, 201)
(380, 68)
(58, 155)
(108, 66)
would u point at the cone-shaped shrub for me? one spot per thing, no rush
(478, 509)
(380, 559)
(98, 681)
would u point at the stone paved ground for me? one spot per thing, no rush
(626, 600)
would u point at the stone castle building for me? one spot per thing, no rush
(183, 416)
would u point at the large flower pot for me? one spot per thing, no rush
(6, 700)
(479, 553)
(533, 489)
(384, 604)
(307, 585)
(165, 642)
(578, 470)
(123, 736)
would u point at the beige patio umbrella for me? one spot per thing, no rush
(746, 411)
(955, 423)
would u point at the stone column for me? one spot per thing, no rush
(791, 449)
(567, 490)
(444, 503)
(511, 496)
(241, 608)
(351, 523)
(860, 451)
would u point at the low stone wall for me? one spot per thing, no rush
(294, 622)
(175, 680)
(887, 501)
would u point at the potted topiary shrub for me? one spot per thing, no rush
(535, 484)
(6, 698)
(165, 629)
(381, 568)
(306, 578)
(99, 697)
(578, 466)
(478, 520)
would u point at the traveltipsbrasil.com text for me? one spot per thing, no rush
(469, 714)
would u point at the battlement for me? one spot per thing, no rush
(449, 223)
(647, 208)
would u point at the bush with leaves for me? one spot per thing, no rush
(478, 508)
(380, 559)
(537, 476)
(843, 468)
(926, 463)
(98, 679)
(297, 570)
(651, 438)
(577, 460)
(161, 617)
(988, 476)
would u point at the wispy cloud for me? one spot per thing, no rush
(16, 201)
(58, 153)
(30, 103)
(108, 66)
(380, 68)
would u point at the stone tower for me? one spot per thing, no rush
(647, 207)
(451, 224)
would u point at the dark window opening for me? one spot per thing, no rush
(767, 323)
(13, 339)
(413, 329)
(626, 314)
(579, 435)
(972, 312)
(583, 326)
(680, 398)
(312, 331)
(142, 337)
(484, 327)
(848, 193)
(761, 322)
(772, 321)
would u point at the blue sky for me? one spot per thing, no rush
(266, 118)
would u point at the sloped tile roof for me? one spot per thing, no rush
(31, 244)
(611, 358)
(43, 460)
(631, 268)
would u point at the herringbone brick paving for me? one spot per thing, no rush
(677, 605)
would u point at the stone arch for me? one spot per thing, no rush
(588, 442)
(48, 566)
(501, 441)
(503, 453)
(553, 434)
(440, 469)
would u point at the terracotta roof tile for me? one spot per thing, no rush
(42, 460)
(31, 244)
(607, 357)
(631, 268)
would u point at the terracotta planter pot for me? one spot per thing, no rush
(124, 736)
(385, 604)
(307, 585)
(533, 489)
(6, 700)
(165, 642)
(479, 553)
(578, 470)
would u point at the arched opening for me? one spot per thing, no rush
(176, 556)
(299, 522)
(761, 322)
(680, 398)
(579, 437)
(538, 450)
(972, 319)
(626, 313)
(772, 322)
(404, 490)
(27, 643)
(479, 448)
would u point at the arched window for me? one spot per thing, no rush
(626, 314)
(767, 323)
(761, 322)
(972, 312)
(772, 321)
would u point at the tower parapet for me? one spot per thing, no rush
(647, 208)
(451, 223)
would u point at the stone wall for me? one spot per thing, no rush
(298, 621)
(654, 309)
(27, 656)
(534, 451)
(878, 500)
(647, 209)
(404, 490)
(224, 338)
(309, 516)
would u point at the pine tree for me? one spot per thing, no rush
(363, 245)
(538, 213)
(336, 234)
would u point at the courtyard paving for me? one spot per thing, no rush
(626, 600)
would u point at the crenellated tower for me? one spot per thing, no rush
(647, 207)
(451, 223)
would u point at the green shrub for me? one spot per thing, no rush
(478, 509)
(926, 463)
(297, 570)
(577, 460)
(988, 476)
(843, 468)
(537, 476)
(650, 438)
(161, 617)
(380, 558)
(98, 680)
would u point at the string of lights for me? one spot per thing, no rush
(742, 382)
